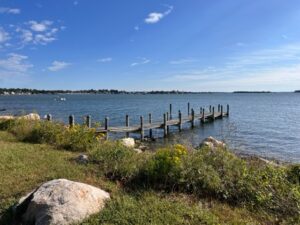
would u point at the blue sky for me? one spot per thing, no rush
(193, 45)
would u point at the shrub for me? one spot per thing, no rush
(77, 138)
(117, 161)
(164, 166)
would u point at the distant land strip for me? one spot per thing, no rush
(252, 92)
(27, 91)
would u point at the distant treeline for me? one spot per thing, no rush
(252, 92)
(297, 91)
(20, 91)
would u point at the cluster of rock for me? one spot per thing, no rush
(30, 116)
(60, 202)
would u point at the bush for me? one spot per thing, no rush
(77, 138)
(164, 166)
(117, 161)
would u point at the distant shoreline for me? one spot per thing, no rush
(27, 91)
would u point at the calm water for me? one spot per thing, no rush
(264, 124)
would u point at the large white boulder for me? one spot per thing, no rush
(31, 116)
(212, 143)
(128, 142)
(60, 202)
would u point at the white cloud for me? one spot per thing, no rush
(8, 10)
(136, 28)
(58, 65)
(104, 60)
(183, 61)
(4, 36)
(141, 62)
(40, 26)
(37, 33)
(155, 17)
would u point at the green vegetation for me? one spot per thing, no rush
(172, 185)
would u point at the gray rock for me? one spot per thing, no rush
(82, 159)
(212, 143)
(60, 202)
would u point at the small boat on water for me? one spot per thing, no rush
(60, 99)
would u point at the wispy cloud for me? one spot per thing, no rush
(4, 36)
(7, 10)
(104, 60)
(58, 65)
(141, 62)
(155, 17)
(136, 28)
(75, 3)
(14, 68)
(15, 63)
(183, 61)
(261, 69)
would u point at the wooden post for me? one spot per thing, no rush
(188, 108)
(71, 120)
(49, 117)
(210, 108)
(170, 111)
(221, 111)
(168, 118)
(150, 130)
(106, 126)
(219, 108)
(127, 124)
(227, 110)
(180, 120)
(193, 118)
(203, 116)
(142, 127)
(88, 121)
(213, 113)
(165, 125)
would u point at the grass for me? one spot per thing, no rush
(171, 186)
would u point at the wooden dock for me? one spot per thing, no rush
(168, 120)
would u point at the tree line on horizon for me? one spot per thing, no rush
(89, 91)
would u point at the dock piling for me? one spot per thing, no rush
(170, 111)
(221, 111)
(188, 108)
(165, 125)
(49, 117)
(213, 113)
(203, 116)
(88, 121)
(180, 120)
(142, 127)
(71, 121)
(127, 124)
(193, 118)
(227, 110)
(150, 130)
(106, 126)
